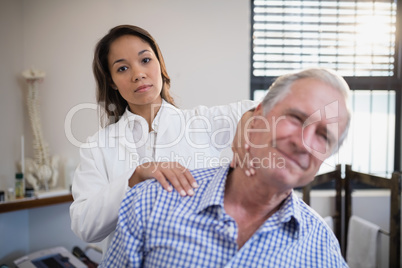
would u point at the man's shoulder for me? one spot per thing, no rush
(312, 219)
(205, 173)
(142, 189)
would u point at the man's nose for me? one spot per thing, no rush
(309, 140)
(298, 142)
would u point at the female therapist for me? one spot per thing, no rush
(145, 136)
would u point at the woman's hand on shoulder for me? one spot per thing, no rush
(168, 174)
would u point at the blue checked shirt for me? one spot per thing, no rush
(161, 229)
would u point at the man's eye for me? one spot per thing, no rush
(325, 137)
(122, 69)
(296, 118)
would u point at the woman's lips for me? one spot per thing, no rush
(143, 88)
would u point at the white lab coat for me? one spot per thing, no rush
(194, 138)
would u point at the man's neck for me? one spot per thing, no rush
(254, 193)
(250, 202)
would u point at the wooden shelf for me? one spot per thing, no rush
(28, 203)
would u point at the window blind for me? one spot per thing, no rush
(356, 38)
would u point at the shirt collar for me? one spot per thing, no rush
(289, 212)
(215, 190)
(291, 209)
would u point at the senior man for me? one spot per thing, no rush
(234, 220)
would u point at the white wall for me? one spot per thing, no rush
(205, 45)
(11, 97)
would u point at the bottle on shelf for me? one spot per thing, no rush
(19, 186)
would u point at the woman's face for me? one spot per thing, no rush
(135, 71)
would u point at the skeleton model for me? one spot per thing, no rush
(41, 172)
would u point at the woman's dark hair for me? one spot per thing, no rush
(109, 98)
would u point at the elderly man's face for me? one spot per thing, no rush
(289, 144)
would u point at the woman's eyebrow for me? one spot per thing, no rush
(139, 54)
(143, 51)
(117, 61)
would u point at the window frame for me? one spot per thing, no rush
(362, 82)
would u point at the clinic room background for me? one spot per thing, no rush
(206, 47)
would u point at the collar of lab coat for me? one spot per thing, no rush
(167, 115)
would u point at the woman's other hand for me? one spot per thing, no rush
(241, 147)
(164, 172)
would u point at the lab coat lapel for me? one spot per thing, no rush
(171, 128)
(126, 146)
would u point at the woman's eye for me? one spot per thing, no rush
(146, 60)
(122, 69)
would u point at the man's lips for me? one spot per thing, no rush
(143, 88)
(301, 161)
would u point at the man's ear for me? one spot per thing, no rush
(258, 111)
(258, 115)
(257, 124)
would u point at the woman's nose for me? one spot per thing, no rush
(137, 76)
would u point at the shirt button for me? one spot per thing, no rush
(231, 230)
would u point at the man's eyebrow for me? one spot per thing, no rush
(302, 114)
